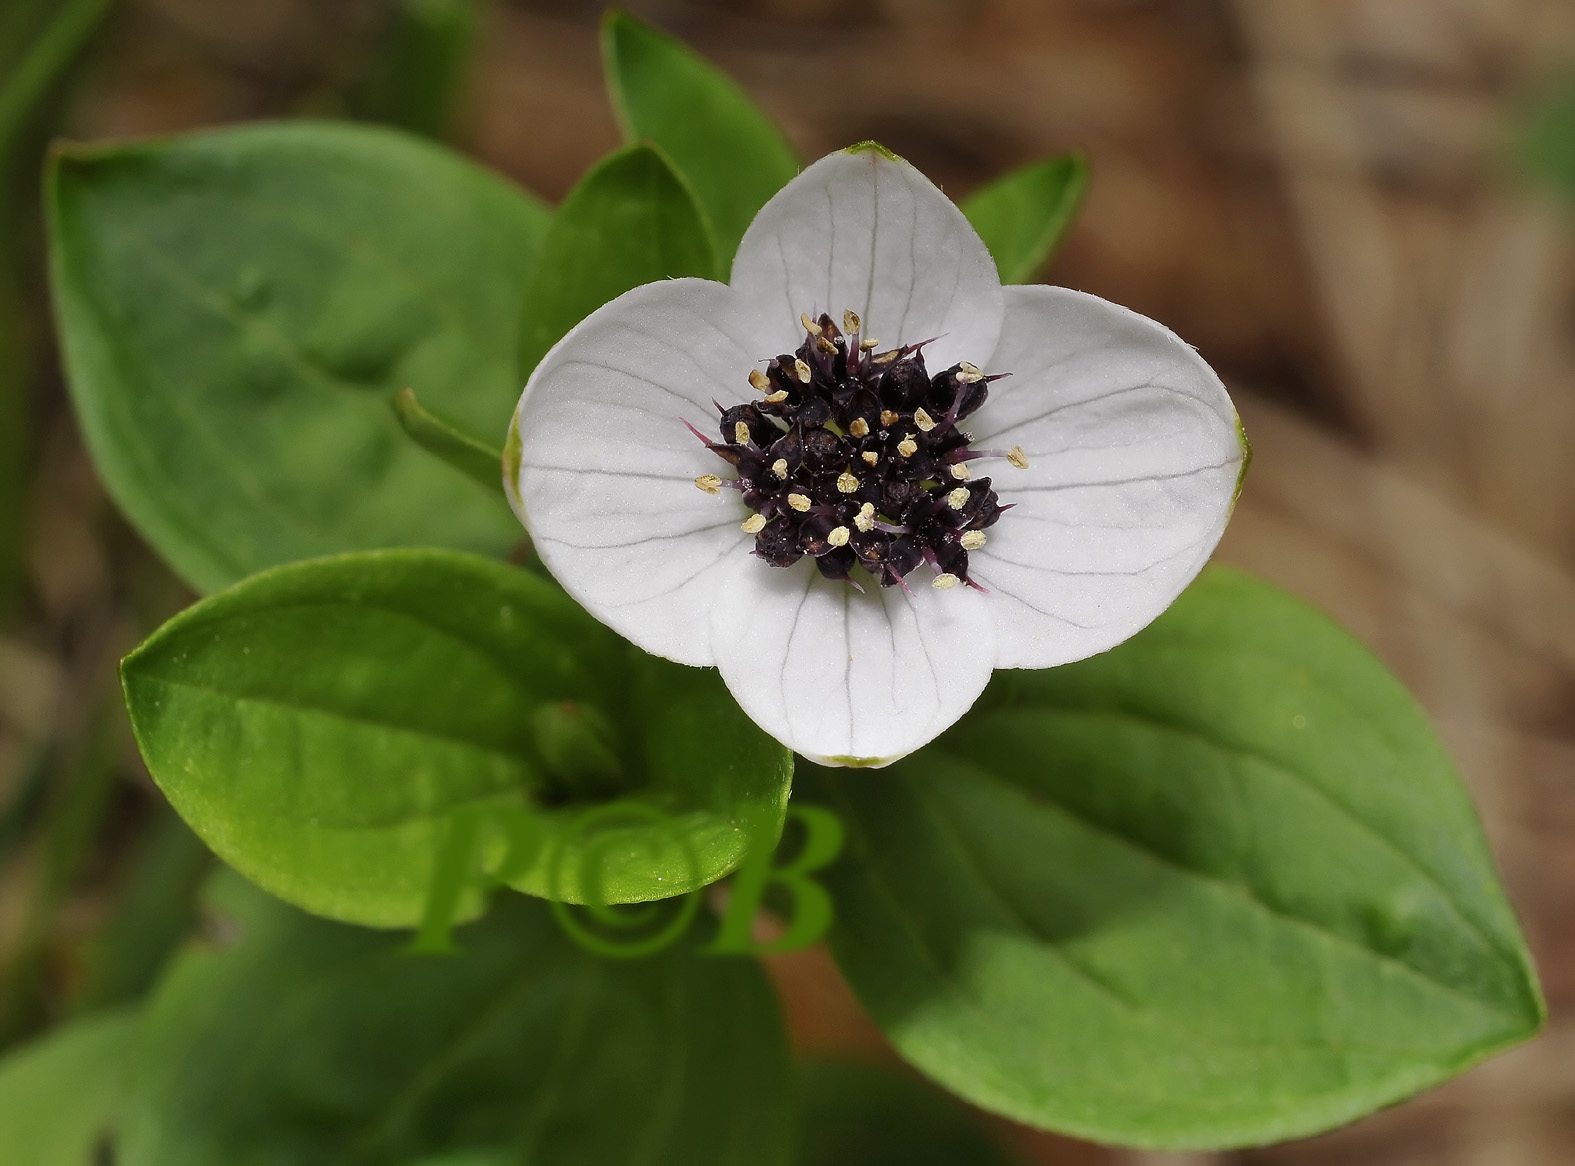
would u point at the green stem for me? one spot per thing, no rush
(467, 454)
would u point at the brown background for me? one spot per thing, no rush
(1319, 194)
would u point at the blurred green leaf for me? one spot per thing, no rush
(29, 787)
(154, 912)
(1218, 886)
(310, 1043)
(1548, 144)
(319, 724)
(630, 221)
(1021, 216)
(80, 781)
(854, 1114)
(39, 42)
(16, 383)
(237, 308)
(417, 72)
(62, 1096)
(663, 92)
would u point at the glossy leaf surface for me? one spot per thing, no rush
(630, 221)
(664, 92)
(1217, 886)
(1021, 216)
(236, 309)
(320, 724)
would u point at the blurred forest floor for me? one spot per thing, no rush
(1322, 195)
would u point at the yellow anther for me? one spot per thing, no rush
(850, 321)
(886, 357)
(972, 540)
(907, 447)
(958, 498)
(779, 468)
(970, 378)
(944, 582)
(870, 457)
(777, 397)
(802, 369)
(859, 427)
(710, 483)
(754, 524)
(888, 418)
(960, 472)
(838, 536)
(923, 420)
(798, 502)
(1017, 457)
(869, 345)
(847, 483)
(824, 344)
(965, 366)
(741, 433)
(809, 325)
(758, 380)
(865, 518)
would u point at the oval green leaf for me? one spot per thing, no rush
(236, 309)
(1216, 887)
(630, 221)
(664, 92)
(313, 1043)
(319, 726)
(62, 1096)
(1022, 216)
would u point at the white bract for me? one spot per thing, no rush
(1132, 446)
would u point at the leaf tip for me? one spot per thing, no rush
(1245, 446)
(873, 147)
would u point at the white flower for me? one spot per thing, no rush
(1131, 445)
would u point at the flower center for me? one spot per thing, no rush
(854, 457)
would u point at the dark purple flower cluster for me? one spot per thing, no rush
(855, 457)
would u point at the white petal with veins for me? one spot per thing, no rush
(849, 678)
(864, 232)
(607, 468)
(1133, 458)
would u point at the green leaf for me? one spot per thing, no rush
(1216, 887)
(17, 376)
(312, 1043)
(475, 459)
(662, 91)
(853, 1114)
(417, 73)
(1547, 142)
(155, 910)
(630, 221)
(319, 725)
(237, 308)
(1022, 215)
(61, 1096)
(39, 44)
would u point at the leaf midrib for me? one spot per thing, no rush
(1235, 889)
(1230, 748)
